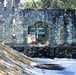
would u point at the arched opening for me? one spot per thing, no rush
(38, 33)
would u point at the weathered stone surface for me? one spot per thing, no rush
(54, 17)
(61, 51)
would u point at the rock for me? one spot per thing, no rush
(50, 66)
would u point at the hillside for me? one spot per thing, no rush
(12, 63)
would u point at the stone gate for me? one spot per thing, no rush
(14, 24)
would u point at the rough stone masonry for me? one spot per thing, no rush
(14, 23)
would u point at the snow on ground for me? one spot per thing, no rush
(68, 64)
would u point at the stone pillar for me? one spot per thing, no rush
(65, 37)
(74, 27)
(54, 28)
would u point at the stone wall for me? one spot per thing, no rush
(50, 52)
(14, 23)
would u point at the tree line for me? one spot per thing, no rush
(50, 4)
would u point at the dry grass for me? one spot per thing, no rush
(10, 61)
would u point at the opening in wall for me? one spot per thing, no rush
(12, 3)
(38, 33)
(5, 3)
(61, 34)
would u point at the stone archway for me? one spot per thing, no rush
(42, 37)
